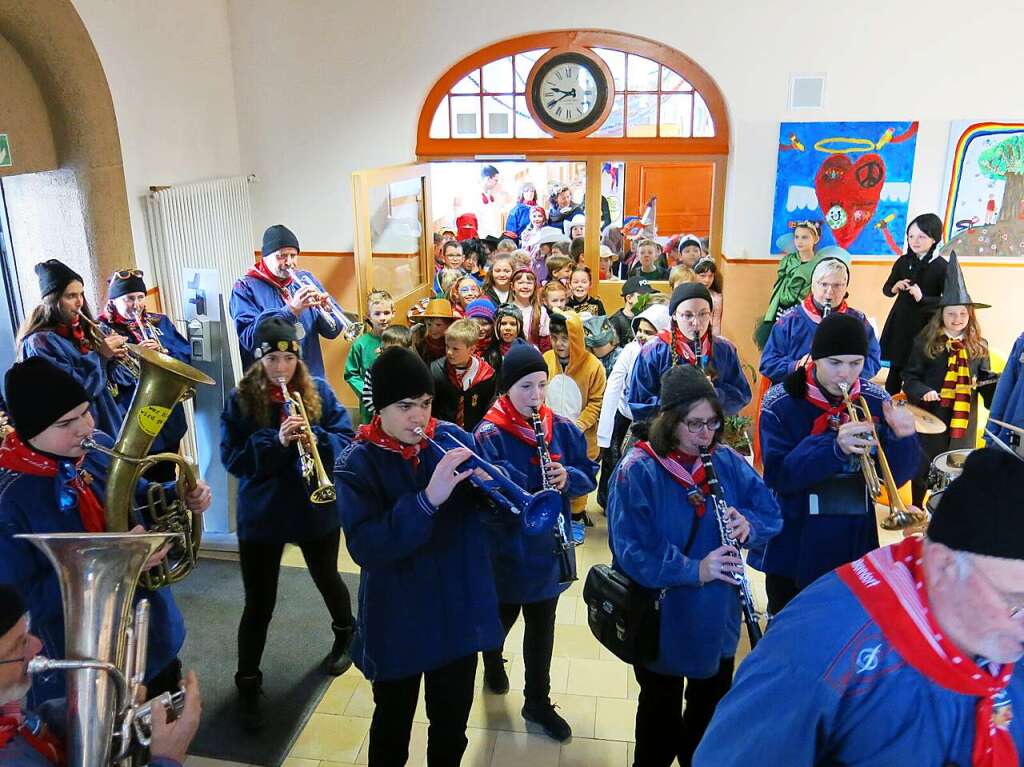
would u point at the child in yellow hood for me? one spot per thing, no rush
(576, 381)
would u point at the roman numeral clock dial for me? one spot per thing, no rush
(570, 91)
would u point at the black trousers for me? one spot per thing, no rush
(538, 644)
(780, 591)
(261, 565)
(611, 456)
(664, 732)
(894, 380)
(168, 680)
(448, 692)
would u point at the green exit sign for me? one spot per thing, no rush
(5, 152)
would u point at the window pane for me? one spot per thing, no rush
(525, 126)
(468, 84)
(613, 125)
(703, 125)
(675, 114)
(396, 235)
(641, 116)
(673, 81)
(524, 63)
(616, 61)
(641, 74)
(465, 116)
(498, 116)
(439, 125)
(498, 76)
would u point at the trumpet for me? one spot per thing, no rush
(146, 331)
(537, 513)
(826, 308)
(900, 517)
(328, 308)
(95, 335)
(309, 457)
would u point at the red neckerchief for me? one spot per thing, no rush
(17, 456)
(14, 723)
(506, 417)
(889, 584)
(812, 311)
(74, 333)
(112, 316)
(693, 480)
(683, 346)
(277, 397)
(482, 346)
(433, 348)
(834, 415)
(374, 433)
(505, 346)
(956, 388)
(261, 272)
(477, 371)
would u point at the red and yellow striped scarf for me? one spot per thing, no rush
(956, 389)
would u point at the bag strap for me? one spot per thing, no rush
(691, 537)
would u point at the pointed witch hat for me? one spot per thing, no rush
(954, 293)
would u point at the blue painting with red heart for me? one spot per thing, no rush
(853, 177)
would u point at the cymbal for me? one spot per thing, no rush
(925, 422)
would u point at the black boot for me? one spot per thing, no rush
(495, 678)
(338, 660)
(544, 714)
(250, 705)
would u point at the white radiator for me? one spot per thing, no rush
(205, 225)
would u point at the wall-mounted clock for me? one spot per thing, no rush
(570, 91)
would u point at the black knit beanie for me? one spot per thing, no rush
(54, 276)
(686, 291)
(839, 334)
(122, 286)
(276, 334)
(521, 360)
(276, 237)
(38, 393)
(980, 510)
(12, 608)
(684, 383)
(399, 373)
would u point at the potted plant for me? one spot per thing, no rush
(737, 434)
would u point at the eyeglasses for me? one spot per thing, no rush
(690, 316)
(1016, 611)
(125, 274)
(696, 426)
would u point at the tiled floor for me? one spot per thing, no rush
(594, 691)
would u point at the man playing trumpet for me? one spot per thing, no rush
(275, 287)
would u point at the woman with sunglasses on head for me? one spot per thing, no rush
(126, 315)
(664, 534)
(62, 331)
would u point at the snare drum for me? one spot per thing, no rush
(945, 468)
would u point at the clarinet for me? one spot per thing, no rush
(695, 345)
(750, 616)
(563, 546)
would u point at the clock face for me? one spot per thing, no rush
(569, 93)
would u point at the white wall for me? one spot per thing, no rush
(170, 74)
(326, 87)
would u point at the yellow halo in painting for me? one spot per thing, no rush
(846, 145)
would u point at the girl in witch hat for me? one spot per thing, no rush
(947, 368)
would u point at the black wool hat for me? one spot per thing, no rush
(276, 334)
(399, 373)
(12, 608)
(276, 237)
(685, 292)
(980, 511)
(122, 286)
(684, 383)
(54, 276)
(839, 334)
(521, 360)
(38, 393)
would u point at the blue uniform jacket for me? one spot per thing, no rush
(655, 359)
(273, 498)
(426, 595)
(1008, 401)
(812, 544)
(525, 566)
(253, 299)
(518, 219)
(90, 370)
(179, 348)
(824, 687)
(29, 504)
(790, 341)
(649, 521)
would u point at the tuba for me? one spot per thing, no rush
(105, 645)
(163, 383)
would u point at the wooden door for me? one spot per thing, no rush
(684, 195)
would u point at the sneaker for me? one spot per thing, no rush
(579, 532)
(495, 678)
(545, 715)
(250, 703)
(587, 521)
